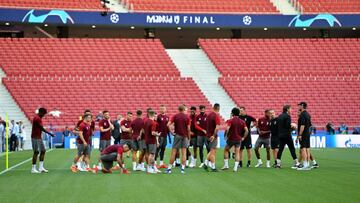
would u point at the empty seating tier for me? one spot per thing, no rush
(53, 4)
(261, 74)
(72, 95)
(330, 6)
(202, 6)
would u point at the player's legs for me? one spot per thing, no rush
(200, 144)
(258, 144)
(240, 157)
(226, 157)
(248, 157)
(282, 143)
(211, 157)
(35, 155)
(184, 151)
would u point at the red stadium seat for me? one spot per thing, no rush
(269, 73)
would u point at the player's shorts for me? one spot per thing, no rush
(82, 150)
(246, 143)
(142, 145)
(232, 143)
(305, 141)
(108, 159)
(213, 144)
(37, 145)
(275, 143)
(262, 141)
(151, 148)
(135, 145)
(193, 141)
(201, 141)
(127, 142)
(103, 144)
(162, 142)
(180, 142)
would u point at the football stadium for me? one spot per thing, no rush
(179, 100)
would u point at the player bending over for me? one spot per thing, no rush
(113, 153)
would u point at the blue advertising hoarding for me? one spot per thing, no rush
(320, 140)
(324, 20)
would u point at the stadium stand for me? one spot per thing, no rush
(330, 6)
(45, 56)
(75, 76)
(208, 6)
(53, 4)
(266, 73)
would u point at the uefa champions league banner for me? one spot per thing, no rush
(316, 141)
(61, 17)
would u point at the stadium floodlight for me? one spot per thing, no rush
(265, 28)
(7, 23)
(217, 28)
(132, 27)
(179, 28)
(304, 28)
(45, 25)
(354, 28)
(93, 26)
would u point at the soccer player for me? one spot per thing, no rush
(263, 126)
(247, 142)
(151, 141)
(284, 131)
(181, 123)
(304, 124)
(274, 140)
(136, 126)
(37, 143)
(142, 145)
(113, 153)
(235, 132)
(162, 120)
(83, 143)
(194, 131)
(81, 164)
(212, 128)
(105, 126)
(125, 126)
(201, 136)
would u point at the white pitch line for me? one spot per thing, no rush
(19, 164)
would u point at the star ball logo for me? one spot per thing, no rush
(114, 18)
(247, 20)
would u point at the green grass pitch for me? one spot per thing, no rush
(337, 180)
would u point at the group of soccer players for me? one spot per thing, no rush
(146, 137)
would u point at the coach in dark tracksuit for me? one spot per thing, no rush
(284, 133)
